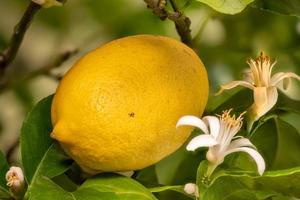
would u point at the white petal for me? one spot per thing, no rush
(241, 142)
(234, 84)
(276, 78)
(286, 83)
(214, 125)
(201, 141)
(264, 99)
(260, 162)
(260, 96)
(189, 120)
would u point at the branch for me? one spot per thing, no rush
(7, 56)
(182, 22)
(46, 70)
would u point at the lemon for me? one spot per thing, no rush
(117, 107)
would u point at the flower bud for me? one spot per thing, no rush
(191, 189)
(15, 180)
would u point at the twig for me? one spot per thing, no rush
(7, 56)
(42, 71)
(182, 22)
(174, 6)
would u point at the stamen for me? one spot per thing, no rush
(261, 69)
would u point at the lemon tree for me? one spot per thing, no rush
(134, 119)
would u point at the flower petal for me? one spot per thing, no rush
(286, 83)
(264, 99)
(241, 142)
(276, 78)
(201, 141)
(214, 125)
(260, 96)
(234, 84)
(189, 120)
(260, 162)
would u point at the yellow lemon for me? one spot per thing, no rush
(116, 109)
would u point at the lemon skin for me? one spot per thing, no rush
(116, 109)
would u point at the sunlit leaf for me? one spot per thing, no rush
(103, 187)
(47, 190)
(231, 184)
(227, 6)
(123, 187)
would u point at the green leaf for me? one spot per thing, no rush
(47, 190)
(240, 100)
(41, 156)
(4, 193)
(231, 184)
(123, 187)
(278, 141)
(285, 181)
(35, 136)
(286, 7)
(53, 163)
(287, 104)
(227, 6)
(102, 187)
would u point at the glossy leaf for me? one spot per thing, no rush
(240, 100)
(286, 7)
(227, 6)
(278, 141)
(227, 184)
(123, 187)
(47, 190)
(287, 104)
(35, 137)
(52, 164)
(102, 187)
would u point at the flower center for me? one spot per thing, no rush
(261, 69)
(11, 179)
(230, 125)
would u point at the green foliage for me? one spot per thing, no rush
(227, 6)
(4, 193)
(122, 187)
(287, 7)
(230, 184)
(48, 170)
(105, 187)
(35, 137)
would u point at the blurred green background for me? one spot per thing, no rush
(226, 42)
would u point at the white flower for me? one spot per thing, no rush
(219, 137)
(15, 179)
(264, 85)
(191, 189)
(47, 3)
